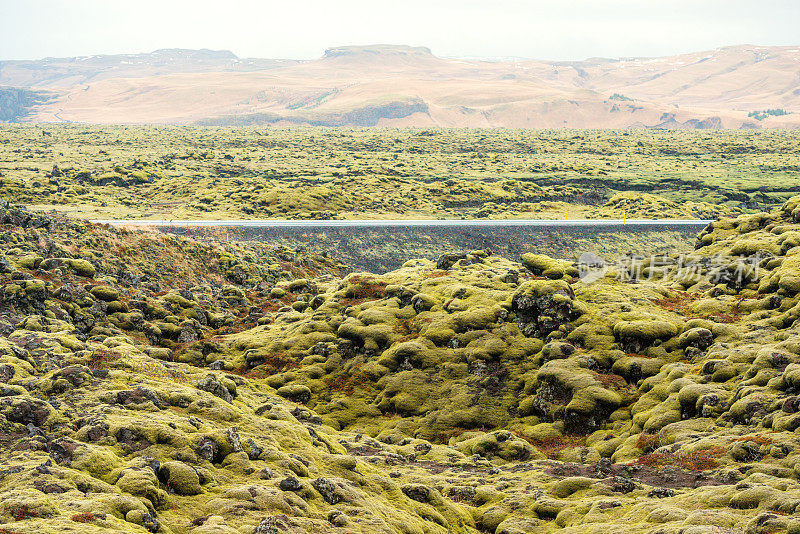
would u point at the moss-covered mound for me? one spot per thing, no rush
(636, 204)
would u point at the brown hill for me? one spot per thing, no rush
(389, 85)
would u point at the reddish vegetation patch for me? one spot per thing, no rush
(86, 517)
(23, 512)
(691, 461)
(357, 379)
(267, 306)
(530, 276)
(682, 300)
(611, 381)
(664, 477)
(438, 273)
(551, 447)
(758, 439)
(650, 442)
(410, 328)
(137, 337)
(273, 363)
(364, 288)
(637, 355)
(102, 358)
(726, 317)
(298, 271)
(679, 303)
(7, 439)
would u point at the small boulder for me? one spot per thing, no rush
(211, 384)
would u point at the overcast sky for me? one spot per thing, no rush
(553, 29)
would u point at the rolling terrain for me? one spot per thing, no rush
(387, 85)
(169, 172)
(345, 174)
(227, 383)
(152, 383)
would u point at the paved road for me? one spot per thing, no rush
(330, 223)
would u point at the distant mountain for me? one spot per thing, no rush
(378, 51)
(73, 71)
(393, 85)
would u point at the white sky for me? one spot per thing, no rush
(553, 29)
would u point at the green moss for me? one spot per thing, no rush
(29, 262)
(295, 392)
(645, 330)
(105, 293)
(754, 497)
(181, 478)
(435, 401)
(542, 265)
(81, 267)
(567, 486)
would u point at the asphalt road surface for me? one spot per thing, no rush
(331, 223)
(383, 245)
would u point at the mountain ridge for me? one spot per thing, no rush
(727, 87)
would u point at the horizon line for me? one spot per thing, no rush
(490, 58)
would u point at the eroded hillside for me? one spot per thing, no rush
(395, 85)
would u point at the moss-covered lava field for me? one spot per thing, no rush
(104, 172)
(152, 382)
